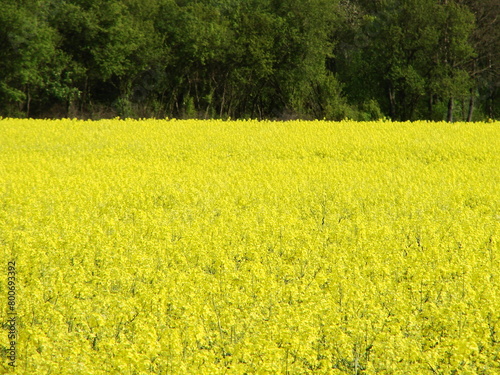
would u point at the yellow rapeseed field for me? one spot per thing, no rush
(247, 247)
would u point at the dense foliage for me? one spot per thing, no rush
(411, 59)
(224, 247)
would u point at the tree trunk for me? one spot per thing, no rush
(392, 102)
(449, 116)
(489, 103)
(471, 107)
(223, 100)
(28, 101)
(84, 97)
(431, 106)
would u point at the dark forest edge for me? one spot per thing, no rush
(331, 59)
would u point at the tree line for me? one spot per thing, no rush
(281, 59)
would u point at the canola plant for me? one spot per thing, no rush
(250, 247)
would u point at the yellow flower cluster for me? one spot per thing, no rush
(247, 247)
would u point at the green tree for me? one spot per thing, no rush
(332, 59)
(259, 58)
(484, 66)
(409, 55)
(27, 49)
(109, 46)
